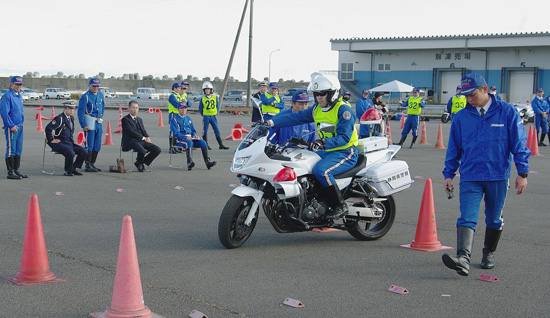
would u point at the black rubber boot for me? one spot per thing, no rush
(88, 165)
(465, 241)
(92, 161)
(209, 164)
(9, 166)
(190, 163)
(491, 241)
(336, 201)
(16, 165)
(205, 138)
(400, 143)
(541, 143)
(219, 139)
(413, 141)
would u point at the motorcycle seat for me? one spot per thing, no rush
(361, 163)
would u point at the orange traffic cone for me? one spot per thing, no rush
(534, 144)
(127, 300)
(426, 229)
(39, 108)
(157, 110)
(108, 135)
(402, 120)
(388, 134)
(150, 111)
(53, 113)
(39, 123)
(423, 140)
(119, 115)
(236, 134)
(529, 143)
(439, 141)
(161, 124)
(120, 107)
(45, 118)
(80, 138)
(239, 125)
(34, 262)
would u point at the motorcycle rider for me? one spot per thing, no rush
(456, 103)
(337, 141)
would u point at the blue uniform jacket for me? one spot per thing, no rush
(298, 131)
(11, 109)
(268, 101)
(344, 129)
(539, 105)
(363, 104)
(483, 147)
(61, 128)
(201, 106)
(172, 100)
(93, 105)
(182, 126)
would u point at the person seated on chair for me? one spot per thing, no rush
(59, 135)
(135, 137)
(183, 129)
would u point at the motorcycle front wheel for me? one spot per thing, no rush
(232, 231)
(445, 118)
(373, 230)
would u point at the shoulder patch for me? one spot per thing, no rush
(54, 122)
(346, 115)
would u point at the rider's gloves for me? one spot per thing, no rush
(318, 144)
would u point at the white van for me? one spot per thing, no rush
(147, 93)
(107, 92)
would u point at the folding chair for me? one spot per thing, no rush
(131, 164)
(183, 157)
(47, 148)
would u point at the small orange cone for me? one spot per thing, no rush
(34, 262)
(45, 118)
(236, 134)
(39, 108)
(127, 300)
(529, 143)
(426, 229)
(439, 141)
(53, 113)
(150, 111)
(157, 110)
(239, 125)
(534, 144)
(108, 135)
(388, 134)
(39, 123)
(402, 120)
(423, 140)
(161, 124)
(80, 138)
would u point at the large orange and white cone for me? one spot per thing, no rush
(534, 143)
(236, 134)
(439, 141)
(39, 126)
(240, 125)
(388, 134)
(35, 268)
(161, 123)
(127, 300)
(53, 113)
(423, 139)
(426, 229)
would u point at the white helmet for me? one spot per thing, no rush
(325, 83)
(207, 84)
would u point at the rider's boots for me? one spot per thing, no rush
(205, 138)
(541, 142)
(209, 164)
(400, 143)
(219, 139)
(336, 201)
(16, 165)
(491, 241)
(413, 141)
(93, 159)
(11, 173)
(465, 241)
(190, 163)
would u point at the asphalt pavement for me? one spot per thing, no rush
(184, 267)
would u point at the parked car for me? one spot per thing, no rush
(235, 95)
(57, 93)
(147, 93)
(2, 92)
(107, 92)
(32, 95)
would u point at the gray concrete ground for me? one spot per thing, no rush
(184, 267)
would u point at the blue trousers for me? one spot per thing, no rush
(411, 123)
(93, 138)
(197, 143)
(494, 195)
(210, 120)
(541, 123)
(334, 162)
(68, 150)
(14, 141)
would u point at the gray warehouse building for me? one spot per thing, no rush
(517, 64)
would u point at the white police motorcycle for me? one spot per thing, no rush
(278, 180)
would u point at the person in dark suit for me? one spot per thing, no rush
(59, 135)
(135, 137)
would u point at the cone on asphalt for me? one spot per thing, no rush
(34, 262)
(161, 124)
(534, 144)
(402, 120)
(529, 143)
(39, 108)
(423, 139)
(426, 230)
(388, 134)
(53, 113)
(80, 138)
(127, 300)
(239, 125)
(439, 141)
(236, 134)
(39, 123)
(108, 135)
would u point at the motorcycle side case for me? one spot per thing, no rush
(373, 144)
(389, 177)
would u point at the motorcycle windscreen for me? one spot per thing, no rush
(256, 133)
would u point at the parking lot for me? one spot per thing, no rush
(184, 267)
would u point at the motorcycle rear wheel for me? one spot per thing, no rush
(370, 231)
(232, 231)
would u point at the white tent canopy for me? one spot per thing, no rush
(393, 87)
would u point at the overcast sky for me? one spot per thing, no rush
(195, 37)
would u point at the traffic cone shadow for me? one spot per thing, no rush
(108, 135)
(439, 141)
(34, 261)
(127, 300)
(423, 139)
(236, 134)
(426, 230)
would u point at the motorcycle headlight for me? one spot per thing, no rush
(239, 162)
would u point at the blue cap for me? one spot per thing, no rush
(273, 85)
(300, 96)
(262, 83)
(183, 105)
(365, 91)
(470, 83)
(347, 93)
(17, 80)
(493, 88)
(416, 90)
(540, 90)
(178, 84)
(94, 82)
(186, 83)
